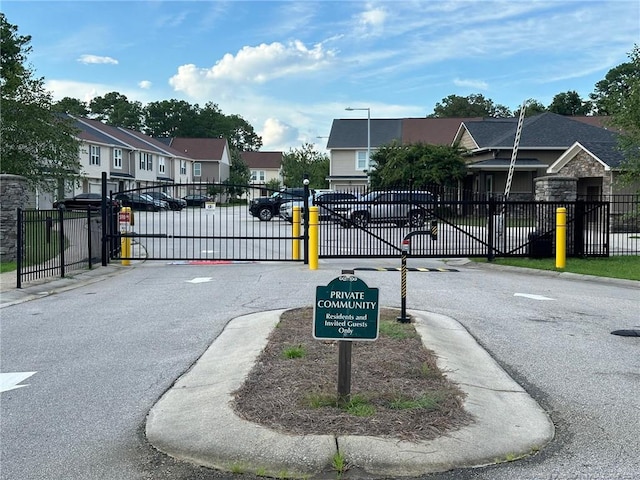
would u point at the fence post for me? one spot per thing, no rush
(103, 212)
(19, 249)
(89, 237)
(61, 239)
(491, 229)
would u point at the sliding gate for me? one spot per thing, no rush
(474, 229)
(209, 228)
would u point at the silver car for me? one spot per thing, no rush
(396, 207)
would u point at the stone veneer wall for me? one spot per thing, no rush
(584, 165)
(15, 193)
(555, 189)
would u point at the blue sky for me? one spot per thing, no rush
(289, 68)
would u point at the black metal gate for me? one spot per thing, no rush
(198, 222)
(488, 229)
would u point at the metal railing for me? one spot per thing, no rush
(54, 242)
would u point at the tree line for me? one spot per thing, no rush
(35, 138)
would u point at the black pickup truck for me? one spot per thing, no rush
(265, 208)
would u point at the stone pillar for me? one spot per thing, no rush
(14, 193)
(560, 192)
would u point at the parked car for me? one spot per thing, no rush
(174, 203)
(138, 202)
(197, 200)
(397, 207)
(265, 208)
(329, 203)
(85, 200)
(163, 205)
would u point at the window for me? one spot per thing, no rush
(258, 176)
(94, 156)
(146, 161)
(197, 169)
(161, 162)
(117, 158)
(183, 167)
(361, 160)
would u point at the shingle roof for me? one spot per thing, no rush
(433, 131)
(547, 130)
(200, 148)
(352, 133)
(262, 159)
(606, 152)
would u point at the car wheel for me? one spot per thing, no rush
(416, 218)
(361, 219)
(400, 223)
(265, 214)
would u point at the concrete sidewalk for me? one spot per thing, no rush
(507, 424)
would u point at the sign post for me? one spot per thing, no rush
(345, 310)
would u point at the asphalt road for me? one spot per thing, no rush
(104, 353)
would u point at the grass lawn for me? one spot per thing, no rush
(625, 267)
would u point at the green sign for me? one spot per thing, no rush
(346, 309)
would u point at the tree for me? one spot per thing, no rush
(416, 165)
(72, 106)
(37, 143)
(570, 103)
(305, 160)
(239, 176)
(170, 118)
(238, 132)
(273, 184)
(610, 93)
(626, 117)
(533, 107)
(116, 110)
(471, 106)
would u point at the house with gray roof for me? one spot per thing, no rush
(264, 166)
(550, 144)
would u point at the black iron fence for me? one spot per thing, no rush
(54, 242)
(211, 228)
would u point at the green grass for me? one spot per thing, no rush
(430, 401)
(397, 330)
(297, 351)
(624, 267)
(358, 405)
(7, 267)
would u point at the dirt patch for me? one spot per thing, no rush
(397, 389)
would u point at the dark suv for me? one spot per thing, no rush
(265, 208)
(174, 203)
(397, 207)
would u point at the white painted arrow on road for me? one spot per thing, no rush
(200, 280)
(532, 296)
(10, 381)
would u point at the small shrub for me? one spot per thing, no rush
(297, 351)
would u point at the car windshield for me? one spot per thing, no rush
(370, 196)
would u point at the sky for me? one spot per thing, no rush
(290, 67)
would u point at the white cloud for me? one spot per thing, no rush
(373, 17)
(96, 59)
(252, 65)
(276, 132)
(476, 84)
(145, 84)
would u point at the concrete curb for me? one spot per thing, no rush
(195, 421)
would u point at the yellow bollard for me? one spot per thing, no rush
(561, 237)
(296, 233)
(125, 220)
(313, 238)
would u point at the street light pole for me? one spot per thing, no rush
(350, 109)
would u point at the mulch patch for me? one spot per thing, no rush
(404, 393)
